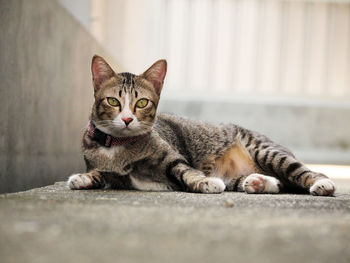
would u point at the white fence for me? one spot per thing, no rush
(230, 47)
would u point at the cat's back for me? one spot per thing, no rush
(171, 124)
(192, 138)
(171, 127)
(167, 122)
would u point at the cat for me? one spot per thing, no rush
(127, 145)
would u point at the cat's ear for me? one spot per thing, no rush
(156, 74)
(101, 71)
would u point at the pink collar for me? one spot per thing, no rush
(108, 140)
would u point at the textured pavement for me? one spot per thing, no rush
(54, 224)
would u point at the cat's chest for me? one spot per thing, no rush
(116, 159)
(112, 153)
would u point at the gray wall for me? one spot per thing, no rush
(46, 92)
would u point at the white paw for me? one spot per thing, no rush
(323, 187)
(258, 183)
(79, 181)
(211, 185)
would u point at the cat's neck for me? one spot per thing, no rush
(108, 140)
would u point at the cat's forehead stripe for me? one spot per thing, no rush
(128, 81)
(128, 78)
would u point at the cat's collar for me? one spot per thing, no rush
(107, 140)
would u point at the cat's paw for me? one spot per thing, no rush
(80, 181)
(211, 185)
(258, 184)
(323, 187)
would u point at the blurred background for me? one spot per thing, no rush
(275, 66)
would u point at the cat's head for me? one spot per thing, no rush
(125, 104)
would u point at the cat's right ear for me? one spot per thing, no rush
(101, 71)
(156, 74)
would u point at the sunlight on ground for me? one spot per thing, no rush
(332, 171)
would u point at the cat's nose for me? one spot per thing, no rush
(127, 120)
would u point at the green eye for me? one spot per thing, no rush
(113, 102)
(142, 103)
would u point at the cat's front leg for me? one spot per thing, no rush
(194, 180)
(197, 182)
(208, 166)
(89, 180)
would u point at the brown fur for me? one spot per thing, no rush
(235, 162)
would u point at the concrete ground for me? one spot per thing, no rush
(54, 224)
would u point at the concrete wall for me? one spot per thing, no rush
(80, 9)
(46, 92)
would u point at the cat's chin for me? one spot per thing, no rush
(129, 133)
(123, 132)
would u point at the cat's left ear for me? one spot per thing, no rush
(101, 71)
(156, 74)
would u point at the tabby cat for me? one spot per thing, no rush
(128, 146)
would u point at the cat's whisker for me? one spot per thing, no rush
(147, 124)
(103, 122)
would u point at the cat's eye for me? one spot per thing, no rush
(113, 102)
(141, 103)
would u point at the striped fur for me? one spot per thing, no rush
(178, 153)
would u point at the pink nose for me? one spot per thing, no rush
(127, 120)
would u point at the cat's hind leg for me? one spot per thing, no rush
(261, 184)
(323, 186)
(83, 181)
(278, 161)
